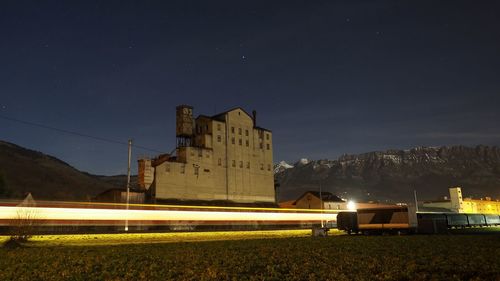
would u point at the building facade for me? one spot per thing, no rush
(458, 204)
(313, 200)
(221, 157)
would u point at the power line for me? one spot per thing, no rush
(76, 133)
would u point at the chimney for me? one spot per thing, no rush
(254, 117)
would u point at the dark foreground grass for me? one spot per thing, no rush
(418, 257)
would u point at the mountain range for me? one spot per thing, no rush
(390, 175)
(45, 177)
(393, 175)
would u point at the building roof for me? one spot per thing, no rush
(325, 196)
(220, 116)
(287, 204)
(184, 105)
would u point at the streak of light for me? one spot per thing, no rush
(188, 207)
(44, 213)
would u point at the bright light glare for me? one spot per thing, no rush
(44, 213)
(351, 205)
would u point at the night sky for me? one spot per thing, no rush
(327, 77)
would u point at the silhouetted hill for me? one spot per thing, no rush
(394, 174)
(46, 177)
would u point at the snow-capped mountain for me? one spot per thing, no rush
(281, 166)
(394, 174)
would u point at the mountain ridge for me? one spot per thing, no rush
(392, 175)
(46, 177)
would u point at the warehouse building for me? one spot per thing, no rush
(222, 157)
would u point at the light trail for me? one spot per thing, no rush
(88, 214)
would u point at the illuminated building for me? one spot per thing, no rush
(221, 157)
(312, 200)
(458, 204)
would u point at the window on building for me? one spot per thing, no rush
(267, 136)
(241, 164)
(239, 131)
(268, 146)
(232, 130)
(269, 167)
(196, 170)
(219, 138)
(219, 162)
(232, 140)
(234, 163)
(247, 142)
(246, 133)
(218, 127)
(261, 146)
(183, 169)
(262, 166)
(239, 141)
(248, 165)
(206, 128)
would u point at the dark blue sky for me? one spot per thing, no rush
(328, 77)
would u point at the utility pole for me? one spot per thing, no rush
(128, 182)
(321, 202)
(416, 202)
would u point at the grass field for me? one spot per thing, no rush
(269, 255)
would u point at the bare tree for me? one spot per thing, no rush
(23, 226)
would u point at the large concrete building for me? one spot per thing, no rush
(221, 157)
